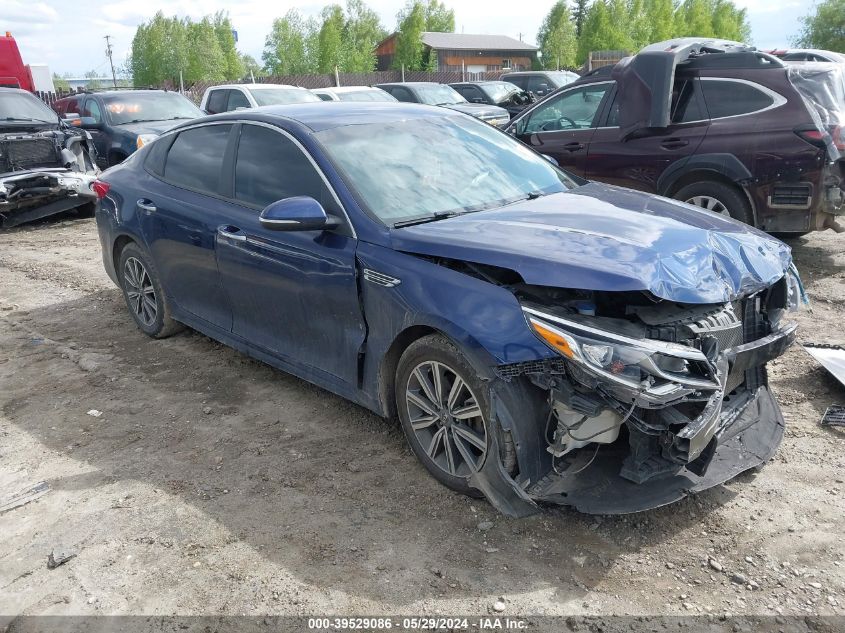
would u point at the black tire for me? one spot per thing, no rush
(733, 200)
(421, 354)
(144, 296)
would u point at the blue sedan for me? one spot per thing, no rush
(540, 338)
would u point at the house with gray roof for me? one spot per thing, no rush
(464, 51)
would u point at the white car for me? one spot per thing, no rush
(353, 93)
(230, 97)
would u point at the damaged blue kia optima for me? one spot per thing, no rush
(541, 338)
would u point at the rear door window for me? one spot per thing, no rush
(540, 85)
(733, 98)
(195, 160)
(472, 94)
(402, 94)
(216, 101)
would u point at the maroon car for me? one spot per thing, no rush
(716, 124)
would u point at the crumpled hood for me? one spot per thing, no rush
(600, 237)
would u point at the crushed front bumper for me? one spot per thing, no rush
(31, 195)
(750, 440)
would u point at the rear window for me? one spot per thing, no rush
(195, 160)
(733, 98)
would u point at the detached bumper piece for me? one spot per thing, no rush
(29, 196)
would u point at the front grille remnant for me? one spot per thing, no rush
(553, 365)
(28, 153)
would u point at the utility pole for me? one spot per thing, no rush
(108, 52)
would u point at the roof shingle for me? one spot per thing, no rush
(459, 41)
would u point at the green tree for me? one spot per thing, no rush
(711, 18)
(234, 69)
(331, 48)
(292, 46)
(60, 83)
(206, 61)
(409, 46)
(159, 51)
(439, 19)
(579, 14)
(414, 19)
(252, 69)
(607, 27)
(825, 27)
(361, 33)
(557, 39)
(661, 18)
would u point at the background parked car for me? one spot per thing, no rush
(226, 98)
(121, 121)
(808, 55)
(353, 93)
(540, 83)
(735, 136)
(499, 93)
(431, 93)
(45, 166)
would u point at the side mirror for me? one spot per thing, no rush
(300, 213)
(478, 100)
(69, 116)
(88, 121)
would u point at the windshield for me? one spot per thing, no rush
(437, 94)
(562, 78)
(152, 106)
(282, 96)
(500, 91)
(24, 107)
(376, 94)
(424, 167)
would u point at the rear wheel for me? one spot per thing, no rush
(717, 197)
(443, 409)
(143, 293)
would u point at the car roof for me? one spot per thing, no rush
(15, 90)
(346, 88)
(317, 117)
(254, 86)
(486, 82)
(411, 83)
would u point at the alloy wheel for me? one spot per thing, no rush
(446, 418)
(140, 291)
(710, 203)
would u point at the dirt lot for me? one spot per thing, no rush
(212, 484)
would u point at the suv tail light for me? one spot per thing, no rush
(817, 137)
(101, 188)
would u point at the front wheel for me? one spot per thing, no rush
(443, 409)
(718, 198)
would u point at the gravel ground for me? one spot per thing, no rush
(213, 484)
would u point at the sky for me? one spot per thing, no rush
(70, 39)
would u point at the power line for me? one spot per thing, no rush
(108, 52)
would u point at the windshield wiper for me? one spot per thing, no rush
(438, 215)
(25, 118)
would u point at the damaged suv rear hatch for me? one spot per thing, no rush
(45, 167)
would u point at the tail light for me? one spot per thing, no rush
(812, 135)
(100, 188)
(820, 138)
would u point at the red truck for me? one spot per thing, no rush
(13, 72)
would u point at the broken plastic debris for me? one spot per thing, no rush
(55, 559)
(831, 357)
(834, 416)
(95, 413)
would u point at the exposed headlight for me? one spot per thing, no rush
(144, 139)
(639, 364)
(796, 297)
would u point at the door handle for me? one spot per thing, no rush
(674, 143)
(232, 233)
(573, 146)
(146, 206)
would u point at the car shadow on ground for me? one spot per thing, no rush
(315, 484)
